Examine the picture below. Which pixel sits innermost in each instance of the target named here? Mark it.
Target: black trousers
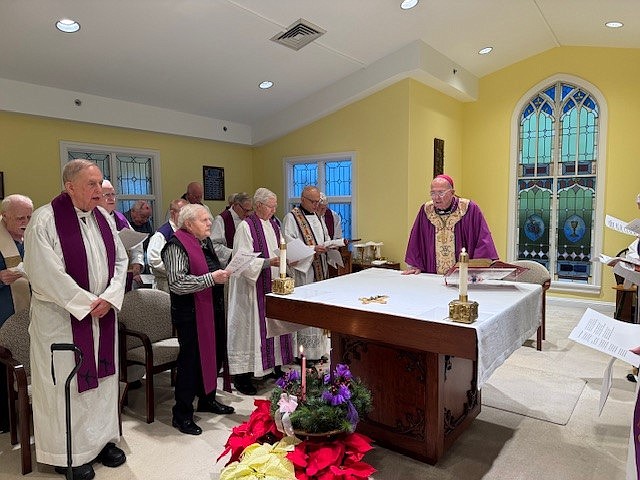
(189, 384)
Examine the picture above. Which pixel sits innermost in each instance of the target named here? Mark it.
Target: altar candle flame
(464, 273)
(283, 258)
(303, 362)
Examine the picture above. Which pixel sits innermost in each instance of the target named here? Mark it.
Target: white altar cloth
(508, 313)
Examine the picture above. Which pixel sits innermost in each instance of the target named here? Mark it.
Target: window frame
(113, 151)
(559, 286)
(321, 160)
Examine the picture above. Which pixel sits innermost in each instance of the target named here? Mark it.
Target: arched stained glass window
(556, 178)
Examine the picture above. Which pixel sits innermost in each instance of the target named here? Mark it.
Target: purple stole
(635, 431)
(263, 286)
(328, 220)
(75, 259)
(122, 223)
(204, 311)
(229, 227)
(166, 230)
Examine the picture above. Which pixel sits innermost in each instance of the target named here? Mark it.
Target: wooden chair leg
(539, 338)
(151, 410)
(25, 431)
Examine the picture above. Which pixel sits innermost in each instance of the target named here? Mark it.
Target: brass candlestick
(462, 310)
(283, 285)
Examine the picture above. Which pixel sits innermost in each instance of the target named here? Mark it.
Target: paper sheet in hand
(334, 258)
(611, 261)
(634, 226)
(618, 225)
(240, 261)
(608, 335)
(297, 250)
(130, 238)
(19, 269)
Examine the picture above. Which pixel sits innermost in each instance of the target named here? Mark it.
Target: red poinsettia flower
(254, 430)
(353, 471)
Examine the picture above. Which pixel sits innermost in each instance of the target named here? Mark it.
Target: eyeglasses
(109, 195)
(245, 210)
(439, 194)
(313, 202)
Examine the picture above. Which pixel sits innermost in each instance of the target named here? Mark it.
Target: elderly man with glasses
(443, 227)
(225, 224)
(303, 222)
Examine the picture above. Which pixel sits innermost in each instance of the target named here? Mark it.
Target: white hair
(188, 213)
(15, 199)
(262, 195)
(323, 198)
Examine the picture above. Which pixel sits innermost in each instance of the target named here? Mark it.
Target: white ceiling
(207, 57)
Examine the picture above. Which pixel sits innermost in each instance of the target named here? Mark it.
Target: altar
(425, 372)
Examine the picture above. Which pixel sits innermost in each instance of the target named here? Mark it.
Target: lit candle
(283, 258)
(463, 267)
(303, 377)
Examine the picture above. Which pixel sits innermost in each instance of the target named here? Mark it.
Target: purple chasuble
(204, 311)
(76, 263)
(263, 286)
(328, 220)
(229, 227)
(471, 232)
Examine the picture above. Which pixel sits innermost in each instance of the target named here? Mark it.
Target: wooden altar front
(423, 374)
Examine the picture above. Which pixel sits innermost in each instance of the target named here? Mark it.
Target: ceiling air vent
(298, 34)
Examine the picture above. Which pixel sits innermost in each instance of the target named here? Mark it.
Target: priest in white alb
(303, 223)
(77, 266)
(251, 353)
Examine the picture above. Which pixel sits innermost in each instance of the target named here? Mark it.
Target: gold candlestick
(283, 285)
(462, 310)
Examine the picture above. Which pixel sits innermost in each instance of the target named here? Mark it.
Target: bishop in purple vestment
(443, 227)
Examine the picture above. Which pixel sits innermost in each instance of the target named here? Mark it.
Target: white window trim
(327, 157)
(158, 211)
(600, 187)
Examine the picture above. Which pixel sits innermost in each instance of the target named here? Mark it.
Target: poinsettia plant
(331, 404)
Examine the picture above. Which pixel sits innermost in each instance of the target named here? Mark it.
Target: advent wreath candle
(283, 258)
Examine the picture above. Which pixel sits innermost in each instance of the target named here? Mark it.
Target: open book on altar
(483, 270)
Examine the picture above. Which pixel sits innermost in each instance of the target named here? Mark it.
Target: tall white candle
(463, 268)
(283, 258)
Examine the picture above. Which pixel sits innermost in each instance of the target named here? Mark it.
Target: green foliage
(315, 415)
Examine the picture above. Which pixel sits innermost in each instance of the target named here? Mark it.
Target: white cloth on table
(500, 330)
(55, 295)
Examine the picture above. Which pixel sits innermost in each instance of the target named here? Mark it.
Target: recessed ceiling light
(485, 50)
(266, 84)
(614, 24)
(67, 25)
(407, 4)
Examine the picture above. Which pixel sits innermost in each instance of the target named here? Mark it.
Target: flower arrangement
(329, 404)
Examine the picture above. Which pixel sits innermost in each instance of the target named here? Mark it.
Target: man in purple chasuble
(197, 311)
(443, 227)
(251, 353)
(77, 266)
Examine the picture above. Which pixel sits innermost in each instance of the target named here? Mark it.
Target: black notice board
(213, 183)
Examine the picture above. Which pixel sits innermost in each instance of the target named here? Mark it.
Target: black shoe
(83, 472)
(187, 426)
(631, 377)
(244, 385)
(111, 456)
(214, 406)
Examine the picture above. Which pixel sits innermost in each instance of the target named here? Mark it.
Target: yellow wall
(392, 134)
(486, 134)
(30, 156)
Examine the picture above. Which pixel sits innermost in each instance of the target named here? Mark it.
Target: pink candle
(303, 362)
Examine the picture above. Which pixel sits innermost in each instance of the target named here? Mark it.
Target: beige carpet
(533, 393)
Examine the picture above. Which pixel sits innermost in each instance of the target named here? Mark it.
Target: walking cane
(67, 394)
